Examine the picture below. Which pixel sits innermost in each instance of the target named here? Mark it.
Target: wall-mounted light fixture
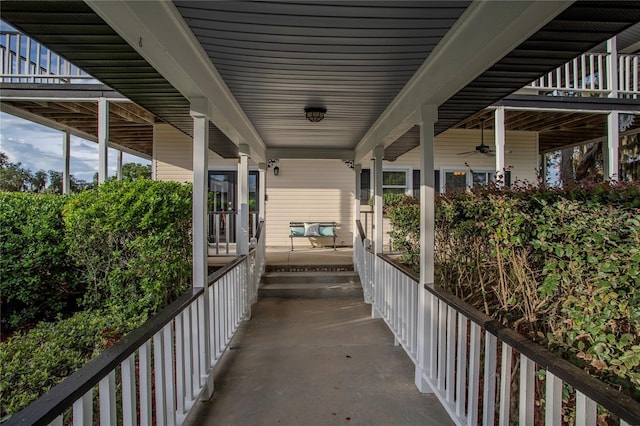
(315, 114)
(275, 164)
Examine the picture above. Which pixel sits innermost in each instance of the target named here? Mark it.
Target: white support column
(610, 148)
(428, 118)
(199, 113)
(356, 203)
(66, 160)
(611, 155)
(262, 191)
(378, 154)
(119, 165)
(103, 140)
(499, 134)
(242, 228)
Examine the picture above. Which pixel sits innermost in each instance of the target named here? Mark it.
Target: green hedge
(39, 281)
(560, 266)
(126, 245)
(35, 361)
(132, 239)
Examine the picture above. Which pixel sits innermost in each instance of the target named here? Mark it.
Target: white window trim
(469, 175)
(408, 171)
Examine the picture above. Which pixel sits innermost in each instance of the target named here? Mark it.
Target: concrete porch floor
(315, 362)
(283, 256)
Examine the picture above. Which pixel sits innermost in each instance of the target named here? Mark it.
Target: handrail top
(623, 405)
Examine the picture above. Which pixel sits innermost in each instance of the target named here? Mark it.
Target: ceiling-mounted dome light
(315, 114)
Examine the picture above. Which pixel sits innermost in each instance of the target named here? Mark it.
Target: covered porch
(233, 80)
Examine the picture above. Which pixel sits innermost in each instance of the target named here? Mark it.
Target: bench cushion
(297, 231)
(311, 229)
(327, 231)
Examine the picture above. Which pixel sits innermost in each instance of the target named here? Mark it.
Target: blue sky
(40, 148)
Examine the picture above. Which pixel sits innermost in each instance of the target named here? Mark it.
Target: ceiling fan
(482, 148)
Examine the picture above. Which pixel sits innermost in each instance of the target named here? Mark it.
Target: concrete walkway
(315, 362)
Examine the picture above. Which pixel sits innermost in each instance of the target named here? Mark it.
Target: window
(394, 182)
(365, 186)
(461, 180)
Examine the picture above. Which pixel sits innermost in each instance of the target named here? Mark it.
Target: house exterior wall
(323, 190)
(308, 191)
(173, 155)
(521, 153)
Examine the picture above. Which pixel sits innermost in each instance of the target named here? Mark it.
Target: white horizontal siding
(309, 190)
(521, 155)
(173, 155)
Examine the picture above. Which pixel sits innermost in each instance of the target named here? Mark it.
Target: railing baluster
(527, 391)
(168, 368)
(586, 410)
(489, 393)
(553, 400)
(144, 367)
(505, 385)
(187, 354)
(58, 421)
(442, 344)
(82, 410)
(181, 371)
(128, 371)
(461, 369)
(158, 364)
(194, 351)
(592, 73)
(474, 375)
(200, 329)
(107, 392)
(450, 383)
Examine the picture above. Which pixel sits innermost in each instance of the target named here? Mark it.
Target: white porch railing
(222, 225)
(481, 371)
(155, 374)
(24, 60)
(590, 75)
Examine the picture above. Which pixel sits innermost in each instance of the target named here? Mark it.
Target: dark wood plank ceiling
(130, 125)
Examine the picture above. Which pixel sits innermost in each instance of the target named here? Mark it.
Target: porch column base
(375, 313)
(421, 382)
(207, 391)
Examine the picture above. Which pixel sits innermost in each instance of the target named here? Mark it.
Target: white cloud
(40, 148)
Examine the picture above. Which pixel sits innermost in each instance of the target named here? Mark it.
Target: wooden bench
(308, 230)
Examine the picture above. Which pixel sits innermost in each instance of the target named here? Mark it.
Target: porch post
(119, 165)
(378, 153)
(610, 148)
(356, 206)
(103, 139)
(66, 158)
(242, 230)
(262, 191)
(199, 113)
(428, 117)
(499, 135)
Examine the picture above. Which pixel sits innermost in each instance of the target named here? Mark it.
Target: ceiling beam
(10, 109)
(160, 35)
(485, 33)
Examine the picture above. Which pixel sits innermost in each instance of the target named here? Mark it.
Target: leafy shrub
(35, 361)
(133, 240)
(560, 266)
(39, 281)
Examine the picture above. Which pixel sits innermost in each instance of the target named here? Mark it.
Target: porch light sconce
(275, 163)
(315, 114)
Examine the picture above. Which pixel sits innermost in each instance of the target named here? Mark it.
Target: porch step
(310, 284)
